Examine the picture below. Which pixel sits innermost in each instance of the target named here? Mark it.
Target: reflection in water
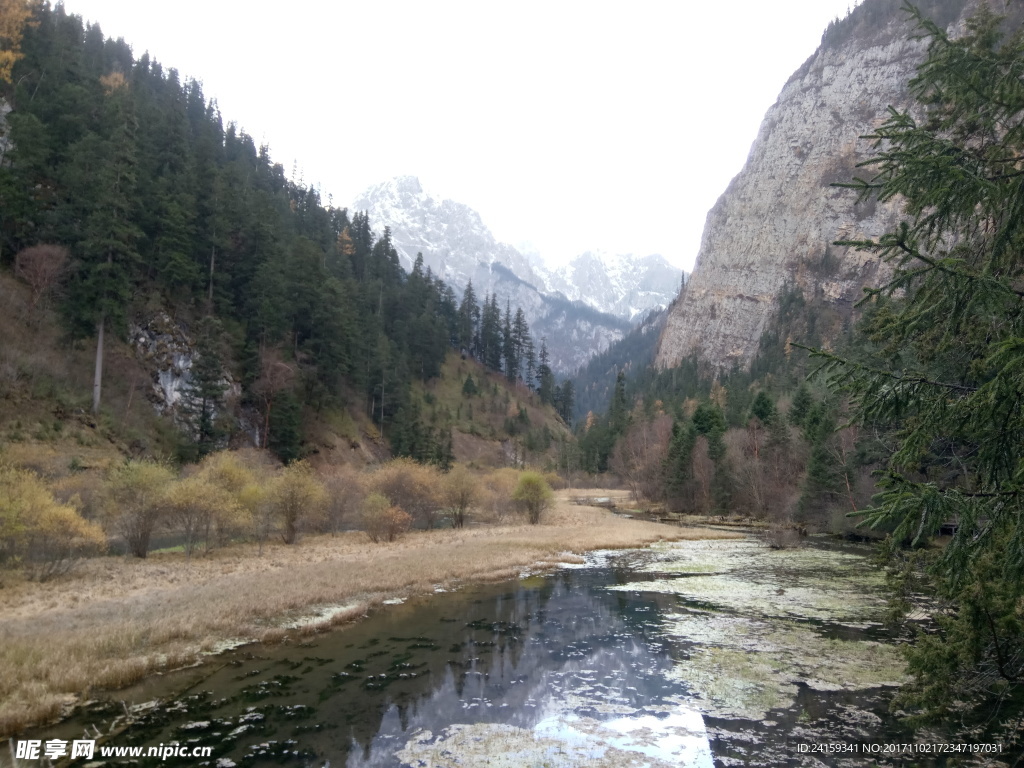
(559, 675)
(635, 659)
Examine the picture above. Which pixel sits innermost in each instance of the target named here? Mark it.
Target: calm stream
(690, 654)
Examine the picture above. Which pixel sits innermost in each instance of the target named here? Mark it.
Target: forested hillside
(124, 193)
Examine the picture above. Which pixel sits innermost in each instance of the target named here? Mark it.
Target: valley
(664, 518)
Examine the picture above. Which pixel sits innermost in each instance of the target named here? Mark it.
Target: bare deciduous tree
(639, 457)
(460, 490)
(276, 376)
(42, 267)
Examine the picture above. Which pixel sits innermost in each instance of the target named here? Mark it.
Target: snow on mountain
(453, 239)
(621, 284)
(580, 308)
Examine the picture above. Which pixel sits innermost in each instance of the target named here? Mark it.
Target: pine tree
(679, 460)
(941, 364)
(204, 398)
(545, 378)
(285, 434)
(510, 353)
(469, 321)
(521, 343)
(618, 411)
(566, 400)
(763, 409)
(444, 453)
(490, 334)
(109, 251)
(529, 363)
(802, 402)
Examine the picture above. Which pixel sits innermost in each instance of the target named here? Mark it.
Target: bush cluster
(243, 496)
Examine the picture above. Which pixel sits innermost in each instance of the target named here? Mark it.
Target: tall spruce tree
(545, 378)
(469, 321)
(943, 364)
(204, 398)
(490, 333)
(109, 249)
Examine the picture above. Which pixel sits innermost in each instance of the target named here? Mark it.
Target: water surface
(689, 654)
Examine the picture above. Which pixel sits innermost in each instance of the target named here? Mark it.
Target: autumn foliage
(36, 531)
(382, 520)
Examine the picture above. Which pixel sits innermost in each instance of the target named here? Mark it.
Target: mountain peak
(458, 247)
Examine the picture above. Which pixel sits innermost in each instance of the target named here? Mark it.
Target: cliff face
(773, 224)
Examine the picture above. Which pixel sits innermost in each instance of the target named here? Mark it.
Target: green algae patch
(743, 668)
(751, 580)
(757, 622)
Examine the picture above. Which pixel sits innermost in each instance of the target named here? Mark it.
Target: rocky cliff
(776, 222)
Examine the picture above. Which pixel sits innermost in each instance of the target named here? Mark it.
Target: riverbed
(702, 653)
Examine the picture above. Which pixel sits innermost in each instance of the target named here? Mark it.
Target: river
(704, 653)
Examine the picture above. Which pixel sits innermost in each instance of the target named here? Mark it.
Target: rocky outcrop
(6, 145)
(776, 222)
(165, 349)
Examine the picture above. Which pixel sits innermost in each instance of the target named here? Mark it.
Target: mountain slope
(776, 222)
(580, 309)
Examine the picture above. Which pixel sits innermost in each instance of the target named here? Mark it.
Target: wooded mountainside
(144, 199)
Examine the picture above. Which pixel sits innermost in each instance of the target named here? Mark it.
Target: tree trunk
(97, 382)
(213, 258)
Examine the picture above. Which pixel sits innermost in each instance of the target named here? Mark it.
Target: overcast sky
(569, 125)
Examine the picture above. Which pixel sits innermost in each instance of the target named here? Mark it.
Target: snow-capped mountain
(453, 239)
(580, 309)
(624, 285)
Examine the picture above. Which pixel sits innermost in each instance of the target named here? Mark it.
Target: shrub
(238, 473)
(81, 490)
(415, 488)
(461, 491)
(38, 532)
(42, 267)
(781, 535)
(297, 498)
(555, 480)
(199, 508)
(227, 470)
(345, 493)
(383, 521)
(533, 495)
(133, 501)
(498, 487)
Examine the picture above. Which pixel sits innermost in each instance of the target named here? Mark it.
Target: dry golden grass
(118, 619)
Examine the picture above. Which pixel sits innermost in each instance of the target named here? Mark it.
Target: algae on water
(757, 623)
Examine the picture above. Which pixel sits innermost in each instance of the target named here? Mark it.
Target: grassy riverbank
(116, 620)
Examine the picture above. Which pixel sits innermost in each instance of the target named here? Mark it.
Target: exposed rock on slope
(5, 140)
(773, 224)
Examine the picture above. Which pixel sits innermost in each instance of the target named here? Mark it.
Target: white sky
(569, 125)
